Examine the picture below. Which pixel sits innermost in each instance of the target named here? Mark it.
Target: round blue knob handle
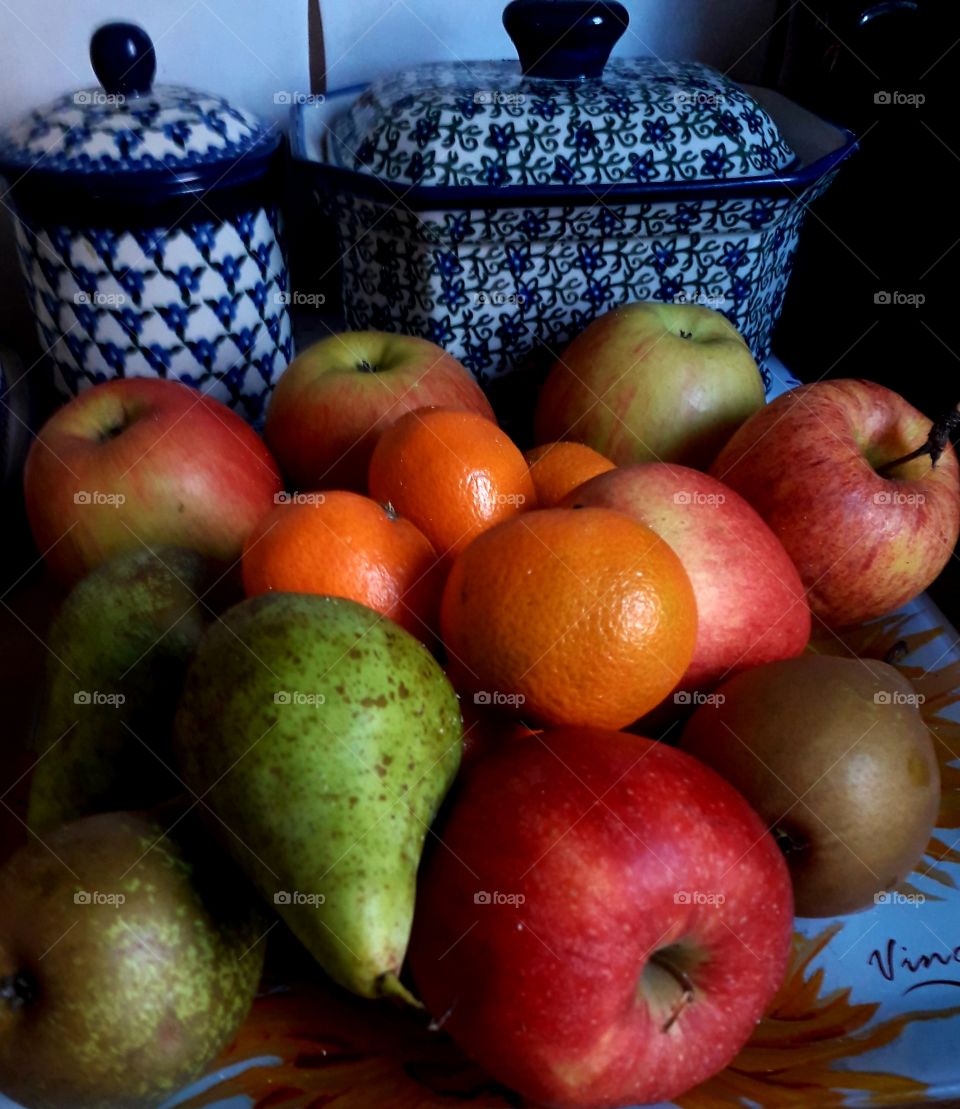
(123, 58)
(565, 39)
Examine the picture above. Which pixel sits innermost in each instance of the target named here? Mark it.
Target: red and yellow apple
(864, 542)
(138, 462)
(751, 604)
(336, 397)
(652, 382)
(600, 954)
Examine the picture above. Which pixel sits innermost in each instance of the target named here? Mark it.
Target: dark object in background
(15, 421)
(22, 405)
(877, 264)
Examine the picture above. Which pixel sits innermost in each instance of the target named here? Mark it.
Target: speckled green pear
(323, 737)
(128, 960)
(118, 651)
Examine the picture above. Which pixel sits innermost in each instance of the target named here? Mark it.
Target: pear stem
(389, 985)
(17, 990)
(682, 980)
(937, 442)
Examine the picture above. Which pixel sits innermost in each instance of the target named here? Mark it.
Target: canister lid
(564, 116)
(128, 138)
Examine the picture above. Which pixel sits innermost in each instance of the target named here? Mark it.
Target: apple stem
(366, 368)
(939, 438)
(17, 990)
(111, 432)
(897, 653)
(682, 980)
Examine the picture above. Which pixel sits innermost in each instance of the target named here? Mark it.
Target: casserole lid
(563, 116)
(128, 139)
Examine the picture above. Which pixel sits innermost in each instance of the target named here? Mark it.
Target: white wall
(249, 50)
(244, 49)
(364, 35)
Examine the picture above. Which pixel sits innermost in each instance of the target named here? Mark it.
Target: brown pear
(834, 755)
(129, 956)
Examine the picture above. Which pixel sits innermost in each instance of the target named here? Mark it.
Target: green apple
(652, 382)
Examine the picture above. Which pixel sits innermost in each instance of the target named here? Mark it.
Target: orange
(453, 473)
(570, 616)
(558, 468)
(345, 545)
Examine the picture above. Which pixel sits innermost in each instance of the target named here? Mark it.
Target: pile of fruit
(386, 677)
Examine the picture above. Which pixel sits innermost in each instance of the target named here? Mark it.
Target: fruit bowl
(865, 1016)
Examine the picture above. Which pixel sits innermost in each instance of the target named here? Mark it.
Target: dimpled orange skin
(341, 544)
(559, 468)
(453, 473)
(569, 616)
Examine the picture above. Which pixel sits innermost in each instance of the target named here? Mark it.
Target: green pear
(128, 960)
(119, 649)
(323, 738)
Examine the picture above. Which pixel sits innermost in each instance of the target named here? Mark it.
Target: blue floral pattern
(205, 303)
(500, 287)
(644, 120)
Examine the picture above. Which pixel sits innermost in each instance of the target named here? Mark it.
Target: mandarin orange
(569, 616)
(453, 473)
(342, 544)
(559, 468)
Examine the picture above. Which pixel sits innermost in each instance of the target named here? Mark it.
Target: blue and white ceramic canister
(149, 232)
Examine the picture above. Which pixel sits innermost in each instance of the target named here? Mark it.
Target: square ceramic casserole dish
(497, 208)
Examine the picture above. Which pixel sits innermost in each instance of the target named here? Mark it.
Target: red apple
(336, 397)
(751, 605)
(864, 542)
(604, 921)
(139, 461)
(652, 382)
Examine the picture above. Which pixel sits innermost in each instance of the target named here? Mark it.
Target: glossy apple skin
(601, 833)
(633, 388)
(864, 544)
(192, 473)
(326, 413)
(751, 604)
